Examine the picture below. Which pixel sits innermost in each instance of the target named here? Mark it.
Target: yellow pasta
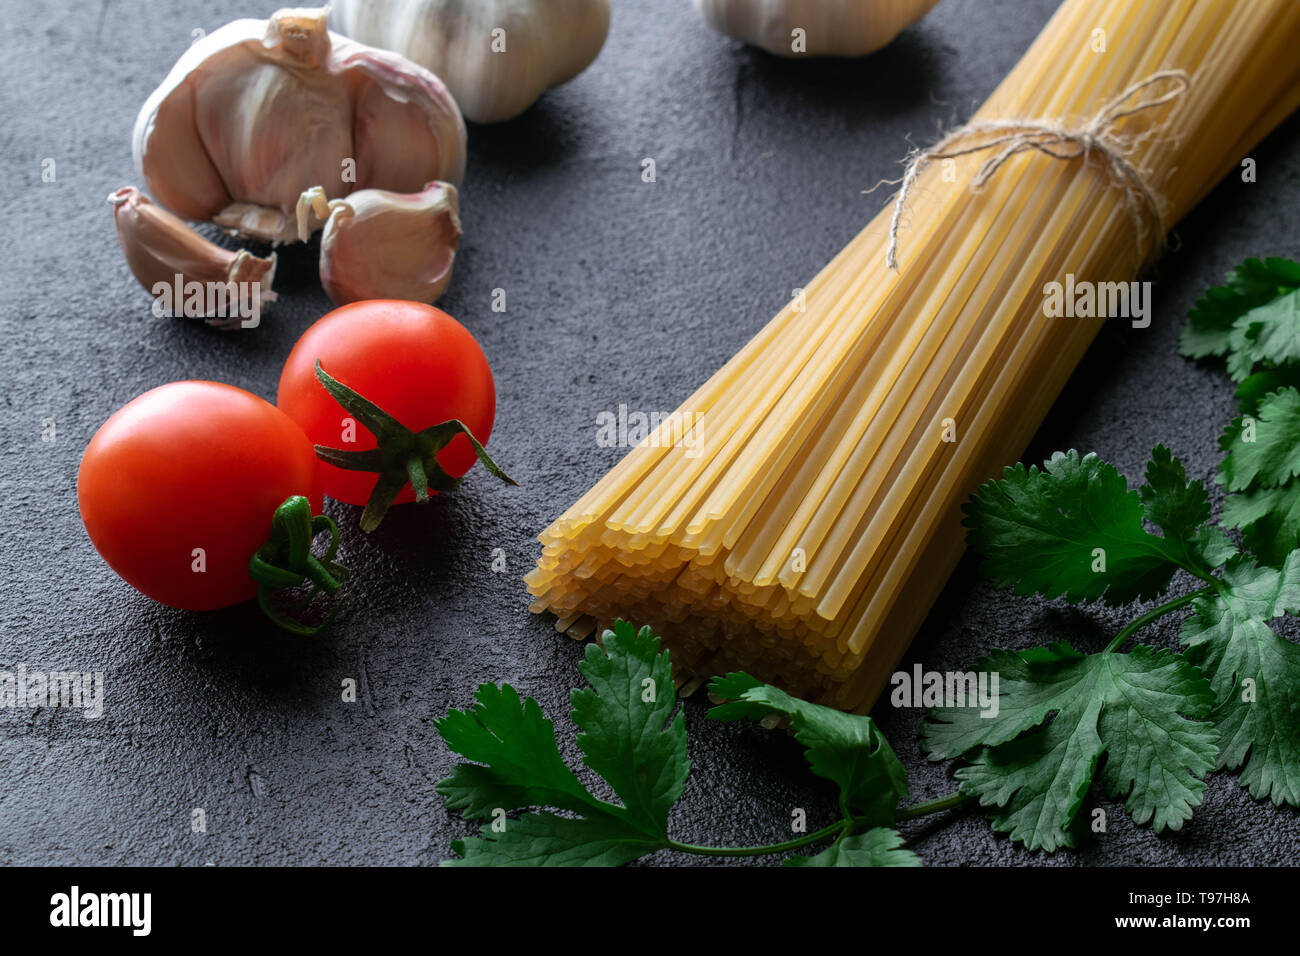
(803, 528)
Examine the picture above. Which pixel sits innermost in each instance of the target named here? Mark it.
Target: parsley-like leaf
(544, 839)
(1215, 324)
(1269, 519)
(1075, 529)
(878, 847)
(1254, 674)
(1271, 332)
(1263, 450)
(1170, 503)
(1254, 389)
(844, 748)
(634, 736)
(1180, 509)
(1254, 323)
(1144, 710)
(1262, 461)
(524, 766)
(631, 738)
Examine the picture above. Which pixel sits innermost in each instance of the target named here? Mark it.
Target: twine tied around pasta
(1097, 136)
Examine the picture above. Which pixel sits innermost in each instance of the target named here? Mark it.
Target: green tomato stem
(400, 455)
(286, 561)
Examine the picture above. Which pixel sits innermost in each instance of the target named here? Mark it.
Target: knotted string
(1014, 136)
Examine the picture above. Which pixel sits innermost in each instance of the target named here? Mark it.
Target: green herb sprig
(1149, 724)
(633, 736)
(1252, 322)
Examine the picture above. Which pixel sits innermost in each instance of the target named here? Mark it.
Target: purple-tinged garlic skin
(260, 110)
(161, 248)
(385, 245)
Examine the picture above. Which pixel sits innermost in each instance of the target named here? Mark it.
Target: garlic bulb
(259, 110)
(385, 245)
(496, 56)
(166, 255)
(794, 28)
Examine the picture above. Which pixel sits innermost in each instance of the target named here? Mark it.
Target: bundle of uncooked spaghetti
(803, 527)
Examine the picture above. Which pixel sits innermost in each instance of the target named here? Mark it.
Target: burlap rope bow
(1097, 136)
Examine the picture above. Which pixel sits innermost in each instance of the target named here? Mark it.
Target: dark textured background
(619, 291)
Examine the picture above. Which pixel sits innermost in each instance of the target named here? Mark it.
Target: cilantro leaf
(1264, 450)
(1254, 674)
(544, 839)
(1253, 390)
(625, 740)
(1214, 326)
(1269, 519)
(1144, 710)
(1254, 322)
(524, 766)
(1075, 529)
(1272, 331)
(1169, 502)
(878, 847)
(634, 736)
(844, 748)
(623, 717)
(1180, 509)
(1258, 280)
(1262, 460)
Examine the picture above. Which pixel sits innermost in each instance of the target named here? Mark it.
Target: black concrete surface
(618, 292)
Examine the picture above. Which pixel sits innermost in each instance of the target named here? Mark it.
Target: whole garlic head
(496, 56)
(384, 245)
(794, 28)
(259, 110)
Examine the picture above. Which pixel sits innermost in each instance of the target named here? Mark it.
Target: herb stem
(1214, 583)
(837, 829)
(817, 836)
(1156, 612)
(933, 806)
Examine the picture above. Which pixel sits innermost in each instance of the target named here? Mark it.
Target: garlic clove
(166, 255)
(313, 211)
(398, 147)
(496, 56)
(259, 110)
(378, 244)
(256, 222)
(824, 27)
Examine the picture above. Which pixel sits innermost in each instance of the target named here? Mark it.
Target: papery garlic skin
(259, 110)
(378, 244)
(843, 28)
(494, 75)
(162, 249)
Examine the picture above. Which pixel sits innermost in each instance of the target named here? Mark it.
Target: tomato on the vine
(395, 395)
(179, 488)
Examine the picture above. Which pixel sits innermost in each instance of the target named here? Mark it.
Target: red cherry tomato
(415, 362)
(188, 466)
